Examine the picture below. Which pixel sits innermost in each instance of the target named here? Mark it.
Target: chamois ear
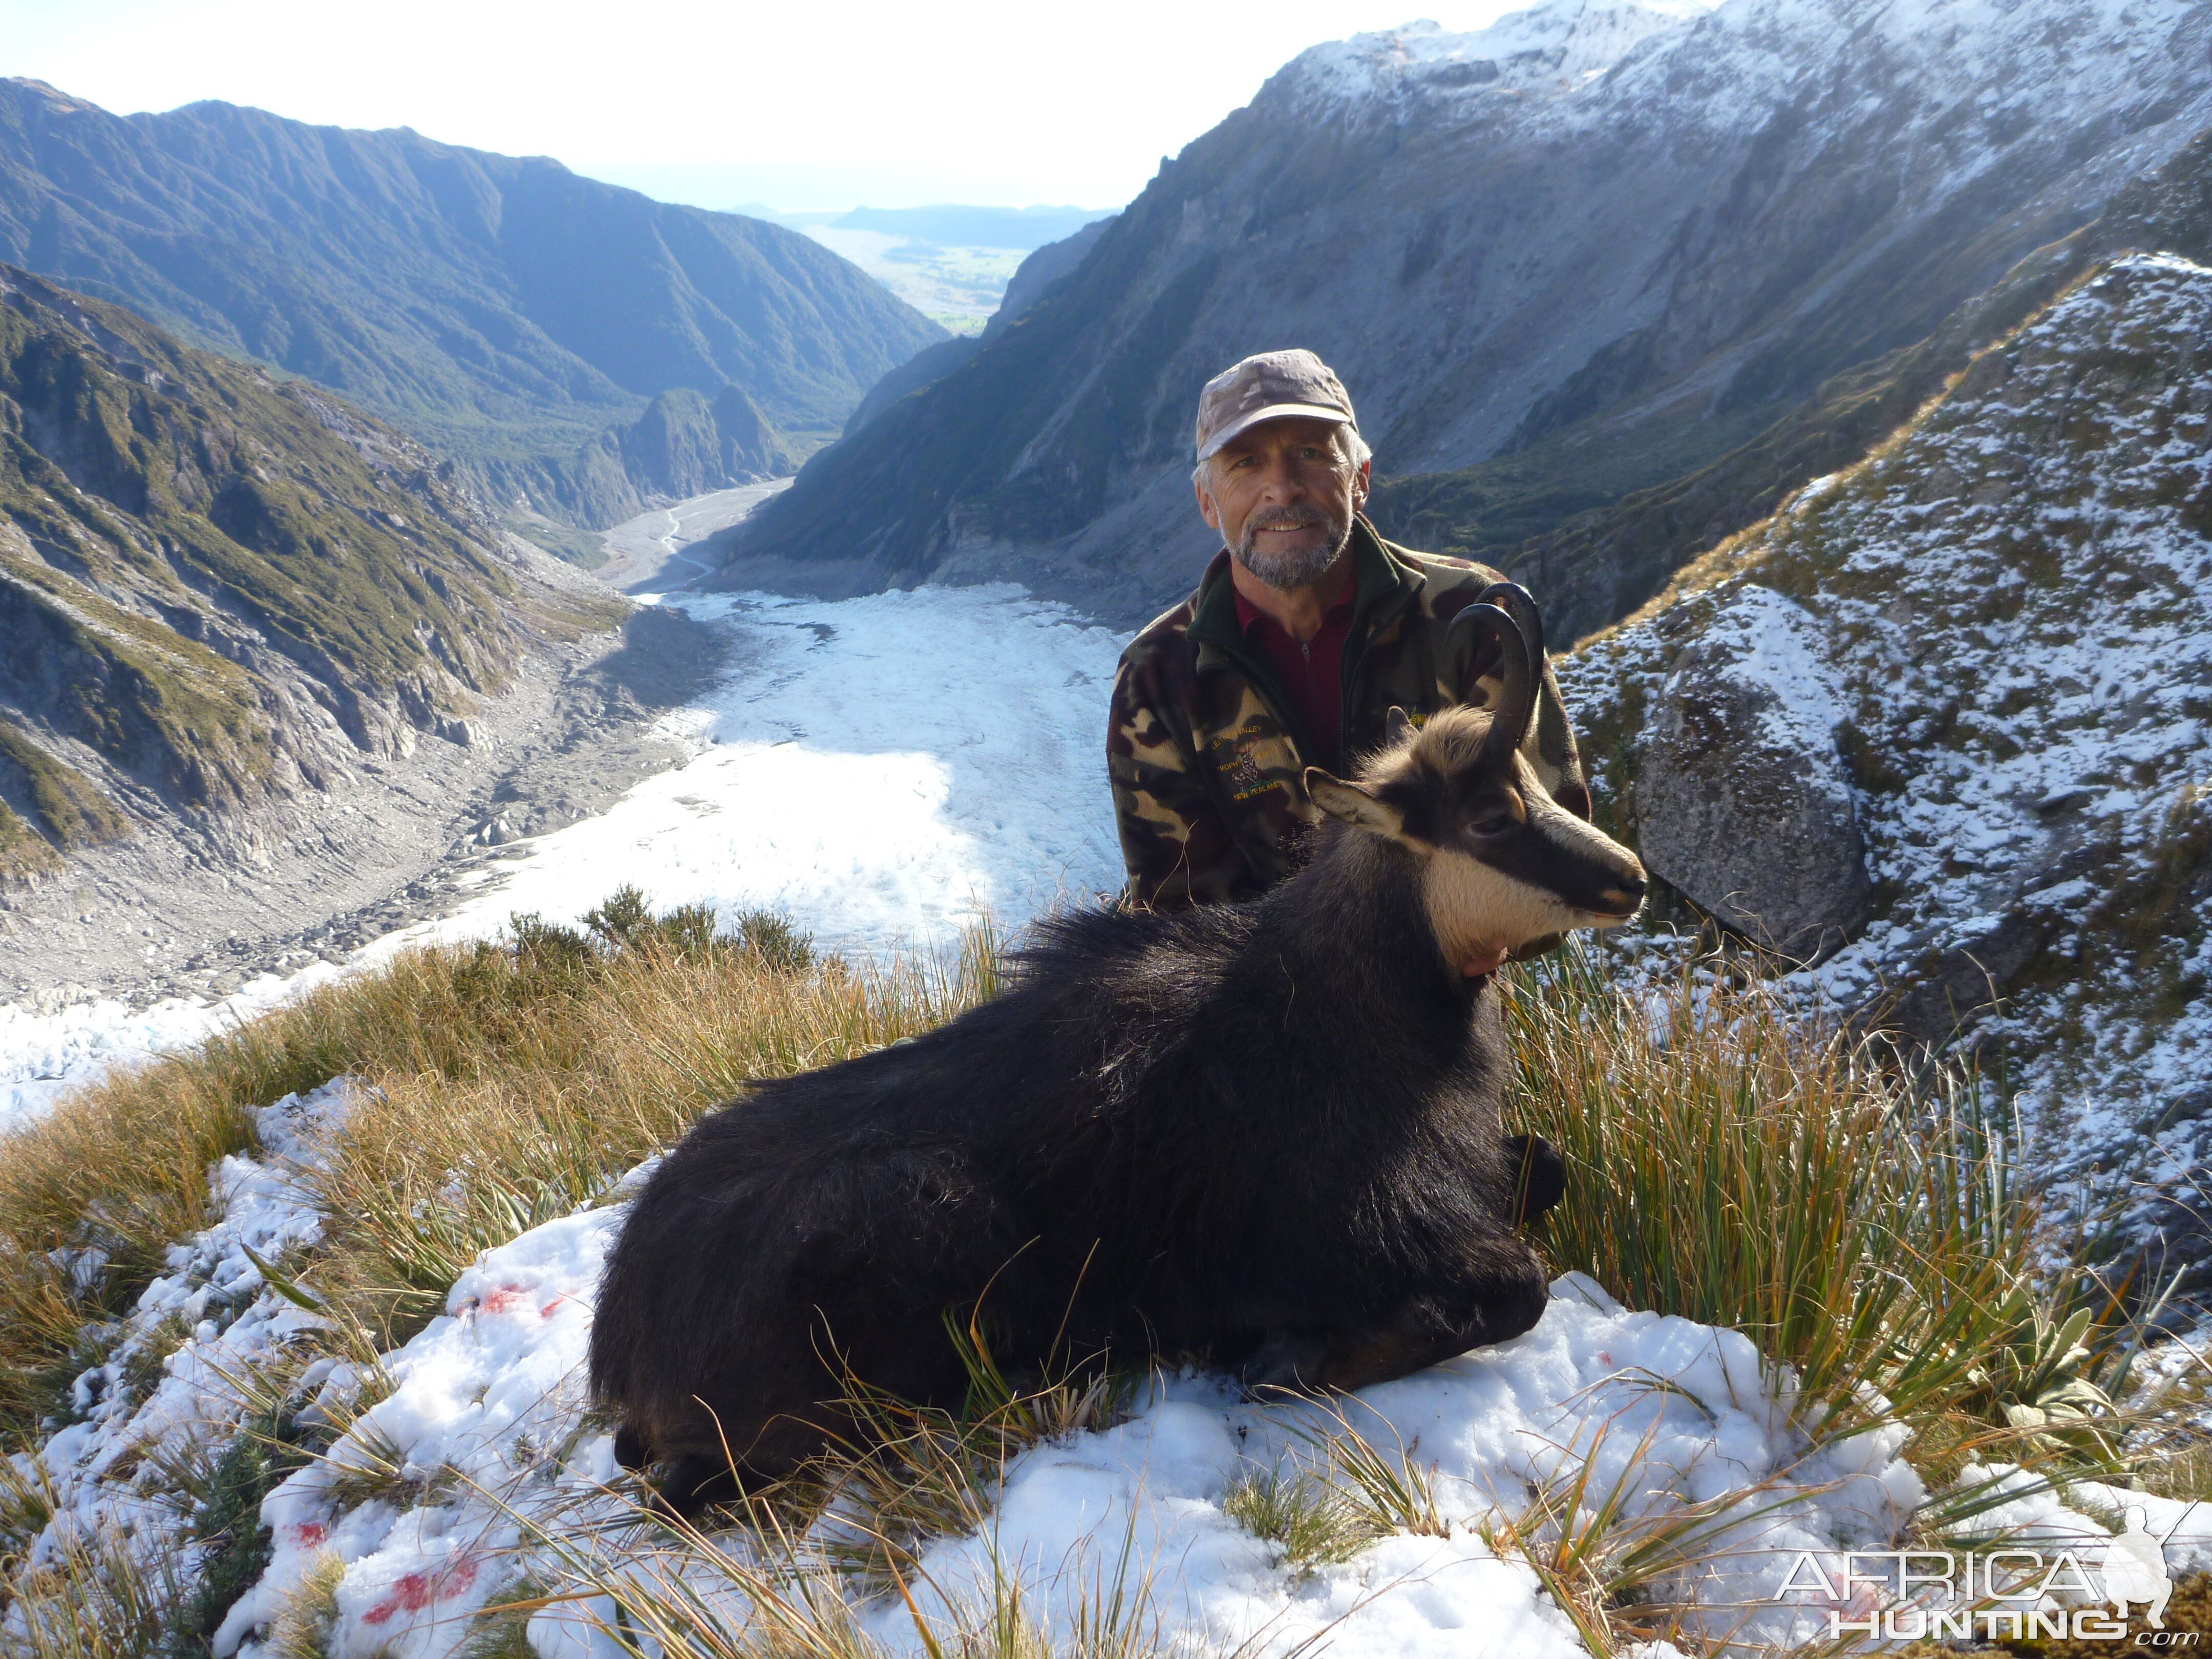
(1353, 804)
(1397, 726)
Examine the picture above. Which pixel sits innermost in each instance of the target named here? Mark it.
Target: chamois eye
(1493, 824)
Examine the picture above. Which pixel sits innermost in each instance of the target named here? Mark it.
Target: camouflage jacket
(1204, 749)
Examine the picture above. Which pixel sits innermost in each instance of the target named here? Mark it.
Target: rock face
(1044, 267)
(1742, 801)
(1998, 629)
(503, 310)
(217, 589)
(1600, 564)
(1597, 244)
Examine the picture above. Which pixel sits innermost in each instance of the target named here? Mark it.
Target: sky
(798, 105)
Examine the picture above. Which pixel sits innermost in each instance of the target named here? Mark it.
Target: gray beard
(1289, 570)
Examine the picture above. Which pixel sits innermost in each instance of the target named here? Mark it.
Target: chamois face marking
(1502, 865)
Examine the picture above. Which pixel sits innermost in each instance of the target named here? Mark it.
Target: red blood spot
(503, 1298)
(416, 1590)
(308, 1533)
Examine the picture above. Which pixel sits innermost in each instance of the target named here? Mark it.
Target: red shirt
(1312, 673)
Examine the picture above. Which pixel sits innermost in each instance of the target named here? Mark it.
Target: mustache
(1291, 569)
(1284, 518)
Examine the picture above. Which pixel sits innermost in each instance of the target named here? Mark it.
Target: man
(1305, 629)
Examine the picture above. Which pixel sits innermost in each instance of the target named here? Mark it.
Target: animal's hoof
(692, 1484)
(1282, 1364)
(1539, 1176)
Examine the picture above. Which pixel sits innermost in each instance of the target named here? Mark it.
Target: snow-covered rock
(2005, 617)
(1744, 732)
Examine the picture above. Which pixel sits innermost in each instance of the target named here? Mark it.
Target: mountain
(1593, 246)
(1601, 564)
(503, 310)
(1943, 724)
(219, 589)
(1042, 267)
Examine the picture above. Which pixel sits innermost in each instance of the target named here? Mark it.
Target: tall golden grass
(499, 1087)
(1867, 1220)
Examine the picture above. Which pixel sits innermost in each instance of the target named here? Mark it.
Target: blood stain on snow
(415, 1591)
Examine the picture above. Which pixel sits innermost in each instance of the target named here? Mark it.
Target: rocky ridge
(1954, 704)
(220, 592)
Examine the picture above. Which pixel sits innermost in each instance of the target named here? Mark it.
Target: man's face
(1282, 495)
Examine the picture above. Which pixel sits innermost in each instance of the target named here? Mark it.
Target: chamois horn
(1518, 603)
(1517, 704)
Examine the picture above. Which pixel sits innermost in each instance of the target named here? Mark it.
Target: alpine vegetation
(1144, 1148)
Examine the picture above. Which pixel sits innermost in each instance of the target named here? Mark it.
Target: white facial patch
(1474, 908)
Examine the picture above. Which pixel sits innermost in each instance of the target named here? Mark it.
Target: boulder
(1742, 801)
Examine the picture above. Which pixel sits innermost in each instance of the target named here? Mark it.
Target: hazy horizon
(867, 106)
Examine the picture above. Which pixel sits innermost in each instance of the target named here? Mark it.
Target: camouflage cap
(1266, 387)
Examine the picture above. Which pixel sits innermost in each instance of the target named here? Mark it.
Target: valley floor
(883, 768)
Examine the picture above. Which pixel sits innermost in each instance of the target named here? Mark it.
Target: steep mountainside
(216, 588)
(503, 310)
(1606, 241)
(1603, 563)
(1946, 720)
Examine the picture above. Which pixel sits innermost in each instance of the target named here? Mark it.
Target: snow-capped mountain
(1590, 248)
(1947, 720)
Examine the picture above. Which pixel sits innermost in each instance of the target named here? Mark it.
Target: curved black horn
(1516, 704)
(1518, 603)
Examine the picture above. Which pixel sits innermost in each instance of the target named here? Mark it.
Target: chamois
(1264, 1137)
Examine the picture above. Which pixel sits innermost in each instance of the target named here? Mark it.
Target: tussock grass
(504, 1085)
(1308, 1518)
(1867, 1224)
(95, 1597)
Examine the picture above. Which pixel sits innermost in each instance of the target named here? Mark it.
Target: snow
(486, 1421)
(883, 768)
(43, 1056)
(475, 1449)
(1561, 43)
(213, 1323)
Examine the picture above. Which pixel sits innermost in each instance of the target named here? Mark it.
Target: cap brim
(1276, 412)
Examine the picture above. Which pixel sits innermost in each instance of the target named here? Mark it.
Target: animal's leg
(1286, 1362)
(1501, 1296)
(1539, 1176)
(694, 1482)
